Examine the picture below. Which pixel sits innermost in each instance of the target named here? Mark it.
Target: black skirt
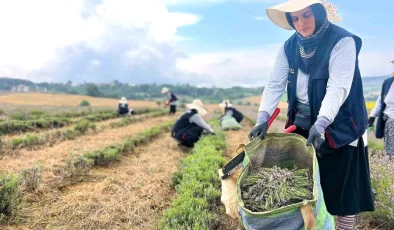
(173, 109)
(345, 179)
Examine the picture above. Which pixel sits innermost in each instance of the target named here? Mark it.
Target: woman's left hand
(316, 133)
(316, 138)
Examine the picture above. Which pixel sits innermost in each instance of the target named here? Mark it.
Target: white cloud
(192, 2)
(248, 67)
(253, 67)
(376, 63)
(208, 2)
(96, 63)
(39, 36)
(261, 18)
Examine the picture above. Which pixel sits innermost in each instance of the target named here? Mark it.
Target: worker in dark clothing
(228, 109)
(172, 100)
(123, 107)
(190, 126)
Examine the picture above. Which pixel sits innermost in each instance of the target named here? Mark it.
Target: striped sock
(346, 222)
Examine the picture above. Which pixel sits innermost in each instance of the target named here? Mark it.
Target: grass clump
(83, 126)
(382, 181)
(84, 103)
(198, 186)
(103, 156)
(111, 153)
(272, 188)
(10, 200)
(31, 178)
(78, 166)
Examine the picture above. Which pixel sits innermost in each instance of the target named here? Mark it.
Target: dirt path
(60, 152)
(236, 137)
(131, 194)
(233, 139)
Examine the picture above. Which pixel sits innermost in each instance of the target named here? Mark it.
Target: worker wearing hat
(189, 127)
(384, 110)
(228, 109)
(123, 107)
(319, 66)
(172, 100)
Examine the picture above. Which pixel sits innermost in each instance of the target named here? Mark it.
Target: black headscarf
(307, 46)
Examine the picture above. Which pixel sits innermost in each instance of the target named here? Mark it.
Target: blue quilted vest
(351, 121)
(381, 123)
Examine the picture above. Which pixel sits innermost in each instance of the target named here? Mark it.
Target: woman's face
(304, 21)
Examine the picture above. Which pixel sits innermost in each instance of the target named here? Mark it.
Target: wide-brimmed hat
(225, 103)
(277, 13)
(197, 105)
(165, 90)
(123, 100)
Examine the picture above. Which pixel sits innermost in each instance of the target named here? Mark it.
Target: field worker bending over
(319, 66)
(123, 107)
(189, 127)
(228, 109)
(384, 110)
(172, 100)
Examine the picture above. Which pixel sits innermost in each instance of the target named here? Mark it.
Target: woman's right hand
(258, 131)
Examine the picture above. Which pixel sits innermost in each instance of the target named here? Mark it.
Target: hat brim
(277, 14)
(200, 110)
(224, 105)
(165, 91)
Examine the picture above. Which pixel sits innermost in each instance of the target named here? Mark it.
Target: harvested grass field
(39, 99)
(58, 153)
(136, 188)
(130, 194)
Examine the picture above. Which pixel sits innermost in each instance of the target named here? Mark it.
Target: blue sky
(233, 24)
(202, 42)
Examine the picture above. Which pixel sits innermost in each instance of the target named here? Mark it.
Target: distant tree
(84, 103)
(92, 90)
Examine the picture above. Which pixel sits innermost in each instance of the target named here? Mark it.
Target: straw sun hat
(277, 13)
(225, 103)
(164, 90)
(123, 100)
(197, 105)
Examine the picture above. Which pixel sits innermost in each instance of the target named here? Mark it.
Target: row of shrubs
(81, 128)
(197, 186)
(20, 126)
(131, 120)
(12, 185)
(37, 114)
(48, 138)
(112, 152)
(17, 126)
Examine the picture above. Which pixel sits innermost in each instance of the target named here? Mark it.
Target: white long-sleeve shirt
(389, 101)
(169, 96)
(197, 119)
(342, 65)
